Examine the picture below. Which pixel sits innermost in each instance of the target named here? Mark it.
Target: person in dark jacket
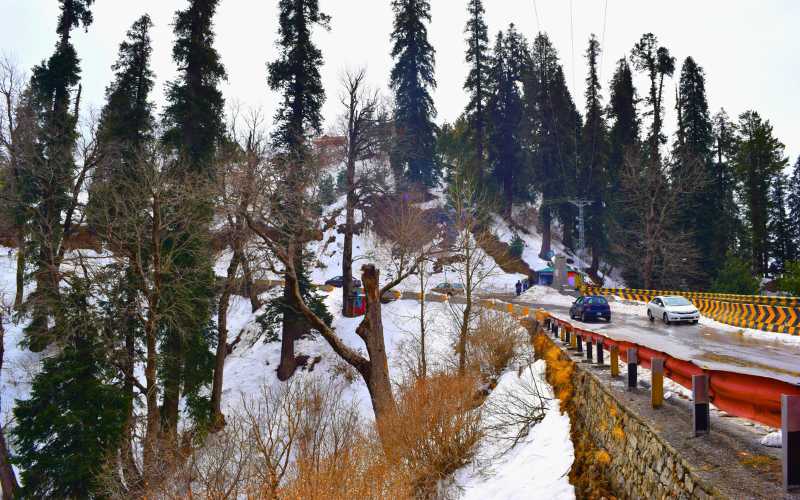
(518, 287)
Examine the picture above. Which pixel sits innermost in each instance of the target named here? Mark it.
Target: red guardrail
(748, 396)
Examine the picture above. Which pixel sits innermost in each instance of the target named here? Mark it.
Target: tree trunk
(129, 468)
(376, 372)
(217, 418)
(8, 480)
(173, 351)
(294, 325)
(150, 451)
(20, 293)
(249, 289)
(347, 258)
(423, 355)
(546, 233)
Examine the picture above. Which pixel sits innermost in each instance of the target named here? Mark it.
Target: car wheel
(666, 320)
(694, 322)
(583, 318)
(650, 316)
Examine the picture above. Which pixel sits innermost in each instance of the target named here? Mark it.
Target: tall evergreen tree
(74, 418)
(593, 174)
(411, 80)
(51, 173)
(195, 108)
(699, 211)
(793, 205)
(193, 122)
(552, 130)
(296, 75)
(624, 133)
(126, 121)
(657, 62)
(477, 84)
(781, 242)
(505, 115)
(728, 236)
(758, 161)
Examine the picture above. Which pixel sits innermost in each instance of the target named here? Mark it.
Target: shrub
(735, 277)
(327, 190)
(497, 340)
(435, 430)
(790, 281)
(517, 246)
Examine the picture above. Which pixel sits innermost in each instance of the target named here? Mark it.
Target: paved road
(706, 346)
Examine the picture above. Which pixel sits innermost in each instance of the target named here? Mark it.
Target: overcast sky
(748, 48)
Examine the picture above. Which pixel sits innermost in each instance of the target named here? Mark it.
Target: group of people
(522, 286)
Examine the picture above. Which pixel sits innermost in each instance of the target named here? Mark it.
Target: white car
(672, 309)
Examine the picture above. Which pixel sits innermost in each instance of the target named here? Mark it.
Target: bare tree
(361, 126)
(652, 241)
(284, 231)
(137, 221)
(235, 174)
(472, 264)
(16, 124)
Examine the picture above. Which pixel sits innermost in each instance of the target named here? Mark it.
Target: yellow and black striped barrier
(782, 315)
(725, 297)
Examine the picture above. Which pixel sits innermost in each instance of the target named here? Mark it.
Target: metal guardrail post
(579, 343)
(599, 351)
(701, 416)
(790, 439)
(633, 364)
(614, 361)
(589, 350)
(657, 382)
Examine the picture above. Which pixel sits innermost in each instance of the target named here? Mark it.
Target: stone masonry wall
(641, 464)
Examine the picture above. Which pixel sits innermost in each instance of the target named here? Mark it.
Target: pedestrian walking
(518, 287)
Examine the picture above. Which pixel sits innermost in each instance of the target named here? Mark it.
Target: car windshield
(596, 301)
(676, 301)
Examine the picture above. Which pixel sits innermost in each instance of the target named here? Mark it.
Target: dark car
(338, 282)
(590, 307)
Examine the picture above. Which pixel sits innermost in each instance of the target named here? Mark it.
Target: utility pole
(581, 204)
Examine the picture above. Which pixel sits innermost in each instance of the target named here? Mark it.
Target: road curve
(704, 345)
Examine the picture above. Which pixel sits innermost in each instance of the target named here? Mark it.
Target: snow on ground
(253, 363)
(538, 466)
(19, 365)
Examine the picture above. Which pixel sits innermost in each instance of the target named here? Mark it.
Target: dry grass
(497, 341)
(435, 431)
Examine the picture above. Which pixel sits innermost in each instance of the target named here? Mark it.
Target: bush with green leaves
(790, 281)
(517, 246)
(736, 277)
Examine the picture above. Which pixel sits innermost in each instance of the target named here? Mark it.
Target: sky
(749, 49)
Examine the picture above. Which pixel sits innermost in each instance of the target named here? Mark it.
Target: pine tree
(793, 205)
(592, 177)
(125, 132)
(699, 211)
(126, 121)
(552, 129)
(758, 161)
(782, 248)
(657, 62)
(624, 133)
(728, 233)
(296, 75)
(50, 174)
(477, 84)
(74, 419)
(195, 108)
(193, 122)
(412, 79)
(505, 115)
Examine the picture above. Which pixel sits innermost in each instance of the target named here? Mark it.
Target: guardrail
(758, 316)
